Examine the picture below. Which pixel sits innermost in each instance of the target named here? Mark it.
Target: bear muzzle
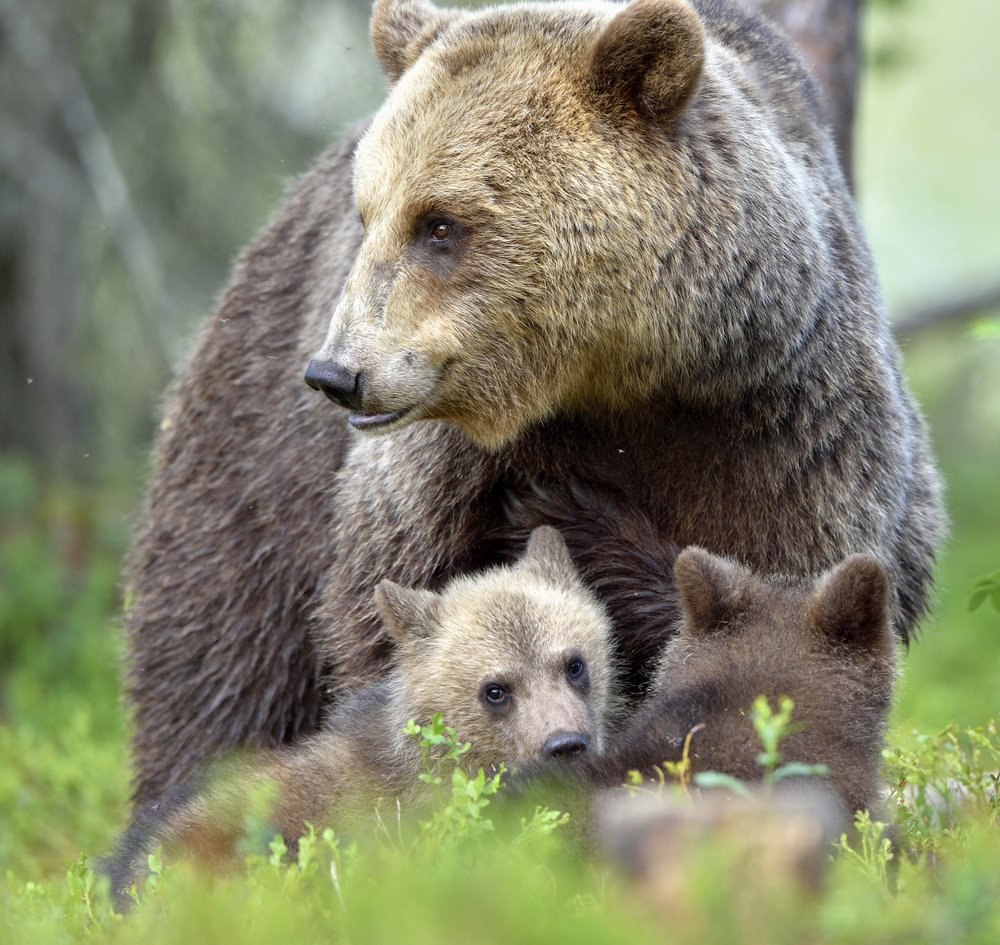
(347, 389)
(339, 383)
(565, 745)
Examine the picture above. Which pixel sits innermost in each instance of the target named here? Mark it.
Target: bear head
(517, 209)
(826, 643)
(518, 659)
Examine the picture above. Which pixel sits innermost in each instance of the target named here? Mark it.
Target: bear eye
(495, 695)
(441, 231)
(575, 668)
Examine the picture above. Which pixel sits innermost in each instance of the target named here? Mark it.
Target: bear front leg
(412, 507)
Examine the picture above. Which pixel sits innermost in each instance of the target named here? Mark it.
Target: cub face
(519, 660)
(505, 222)
(826, 643)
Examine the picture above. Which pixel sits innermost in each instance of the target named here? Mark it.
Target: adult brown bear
(579, 241)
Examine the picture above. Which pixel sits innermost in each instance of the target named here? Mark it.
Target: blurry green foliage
(536, 890)
(942, 781)
(888, 50)
(63, 767)
(986, 328)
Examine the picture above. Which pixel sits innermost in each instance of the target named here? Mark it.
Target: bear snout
(565, 745)
(340, 384)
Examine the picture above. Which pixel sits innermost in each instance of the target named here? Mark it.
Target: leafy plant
(870, 850)
(461, 818)
(944, 781)
(987, 586)
(771, 728)
(438, 745)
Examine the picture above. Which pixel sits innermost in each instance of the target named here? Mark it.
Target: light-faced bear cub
(518, 659)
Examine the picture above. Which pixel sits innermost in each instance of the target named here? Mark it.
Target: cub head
(518, 659)
(508, 196)
(827, 643)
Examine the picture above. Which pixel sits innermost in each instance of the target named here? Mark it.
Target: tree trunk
(827, 34)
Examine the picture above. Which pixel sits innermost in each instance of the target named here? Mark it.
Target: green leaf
(977, 599)
(716, 779)
(798, 769)
(985, 587)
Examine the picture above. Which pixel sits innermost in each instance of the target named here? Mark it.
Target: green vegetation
(63, 763)
(455, 873)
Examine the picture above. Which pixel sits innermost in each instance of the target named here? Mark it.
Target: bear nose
(340, 384)
(565, 745)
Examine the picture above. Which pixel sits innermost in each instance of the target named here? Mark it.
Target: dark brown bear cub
(518, 659)
(827, 643)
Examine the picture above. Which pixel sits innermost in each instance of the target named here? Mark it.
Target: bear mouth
(377, 421)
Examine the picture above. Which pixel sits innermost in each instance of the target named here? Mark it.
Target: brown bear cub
(827, 643)
(518, 659)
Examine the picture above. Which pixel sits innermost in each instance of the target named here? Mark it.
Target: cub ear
(649, 58)
(402, 29)
(408, 614)
(710, 588)
(547, 555)
(852, 603)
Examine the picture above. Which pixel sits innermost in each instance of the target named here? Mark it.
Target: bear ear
(402, 29)
(852, 603)
(710, 588)
(649, 58)
(408, 614)
(547, 555)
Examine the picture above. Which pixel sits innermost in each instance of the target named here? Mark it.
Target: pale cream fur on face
(544, 303)
(519, 628)
(523, 640)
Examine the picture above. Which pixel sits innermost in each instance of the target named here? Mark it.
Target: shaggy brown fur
(602, 242)
(621, 556)
(533, 632)
(827, 643)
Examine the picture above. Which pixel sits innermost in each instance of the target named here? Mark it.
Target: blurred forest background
(142, 143)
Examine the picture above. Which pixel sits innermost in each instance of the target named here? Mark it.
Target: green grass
(63, 766)
(453, 876)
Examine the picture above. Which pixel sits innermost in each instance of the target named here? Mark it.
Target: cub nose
(565, 745)
(340, 384)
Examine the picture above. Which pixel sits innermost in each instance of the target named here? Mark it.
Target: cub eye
(575, 668)
(495, 695)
